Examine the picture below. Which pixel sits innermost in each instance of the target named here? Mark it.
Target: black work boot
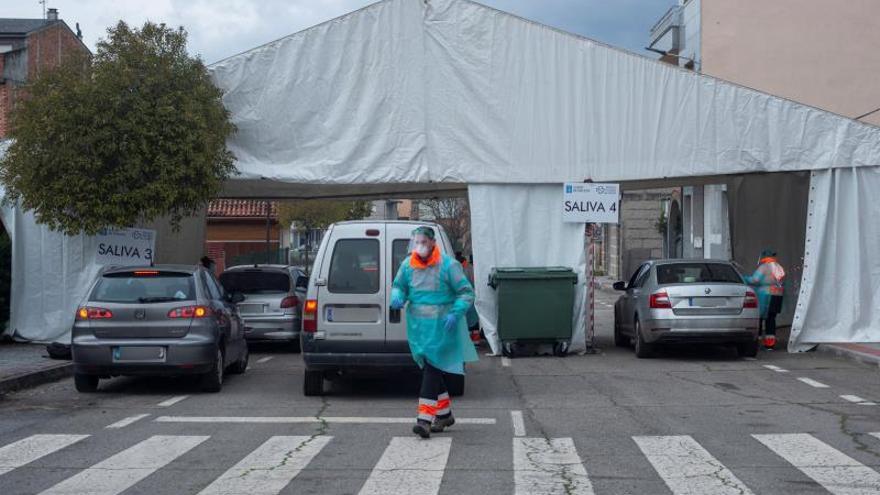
(441, 424)
(422, 428)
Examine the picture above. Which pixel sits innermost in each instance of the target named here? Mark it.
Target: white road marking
(123, 470)
(548, 467)
(811, 382)
(877, 434)
(174, 400)
(775, 368)
(750, 359)
(264, 359)
(857, 400)
(505, 361)
(29, 449)
(687, 468)
(308, 419)
(269, 468)
(519, 425)
(127, 421)
(834, 470)
(409, 465)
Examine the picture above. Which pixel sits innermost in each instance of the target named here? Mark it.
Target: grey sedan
(272, 304)
(162, 320)
(686, 301)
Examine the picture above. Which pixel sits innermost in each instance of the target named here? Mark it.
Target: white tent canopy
(409, 97)
(415, 95)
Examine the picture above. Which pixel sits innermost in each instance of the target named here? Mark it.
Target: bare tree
(454, 215)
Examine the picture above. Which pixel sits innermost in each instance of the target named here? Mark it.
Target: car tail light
(310, 316)
(190, 312)
(660, 300)
(750, 301)
(289, 302)
(146, 273)
(90, 313)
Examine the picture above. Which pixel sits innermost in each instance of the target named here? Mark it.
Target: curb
(33, 378)
(853, 352)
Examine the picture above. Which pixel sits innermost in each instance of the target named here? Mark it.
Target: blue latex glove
(396, 303)
(450, 323)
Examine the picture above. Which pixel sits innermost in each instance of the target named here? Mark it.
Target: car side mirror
(235, 297)
(619, 285)
(302, 282)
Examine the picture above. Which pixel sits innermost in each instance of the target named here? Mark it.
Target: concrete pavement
(28, 365)
(693, 420)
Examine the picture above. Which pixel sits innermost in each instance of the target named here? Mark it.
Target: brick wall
(46, 48)
(640, 213)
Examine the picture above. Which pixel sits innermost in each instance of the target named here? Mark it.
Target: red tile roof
(241, 208)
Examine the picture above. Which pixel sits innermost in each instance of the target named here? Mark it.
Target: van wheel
(454, 384)
(313, 383)
(85, 384)
(212, 381)
(643, 349)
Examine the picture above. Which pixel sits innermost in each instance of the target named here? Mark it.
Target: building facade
(28, 47)
(242, 232)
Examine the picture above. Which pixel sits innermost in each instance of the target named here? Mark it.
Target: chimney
(52, 15)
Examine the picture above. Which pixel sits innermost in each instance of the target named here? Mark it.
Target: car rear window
(697, 273)
(255, 282)
(354, 268)
(399, 252)
(144, 287)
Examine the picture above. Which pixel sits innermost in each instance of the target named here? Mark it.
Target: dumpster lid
(534, 273)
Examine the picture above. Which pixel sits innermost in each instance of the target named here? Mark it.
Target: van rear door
(351, 293)
(398, 239)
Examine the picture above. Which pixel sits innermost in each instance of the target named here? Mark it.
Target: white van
(347, 323)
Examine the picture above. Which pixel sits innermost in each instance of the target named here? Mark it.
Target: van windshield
(146, 287)
(354, 267)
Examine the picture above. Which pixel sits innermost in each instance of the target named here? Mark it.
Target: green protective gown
(433, 293)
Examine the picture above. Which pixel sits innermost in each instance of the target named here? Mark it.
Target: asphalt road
(696, 421)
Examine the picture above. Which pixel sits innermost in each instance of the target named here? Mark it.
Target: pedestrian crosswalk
(407, 465)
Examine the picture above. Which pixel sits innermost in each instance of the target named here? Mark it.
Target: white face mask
(423, 250)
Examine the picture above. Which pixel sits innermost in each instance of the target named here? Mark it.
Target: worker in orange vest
(769, 282)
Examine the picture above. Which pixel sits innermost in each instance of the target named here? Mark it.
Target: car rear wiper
(156, 299)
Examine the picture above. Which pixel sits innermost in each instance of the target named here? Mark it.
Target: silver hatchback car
(161, 320)
(272, 304)
(686, 301)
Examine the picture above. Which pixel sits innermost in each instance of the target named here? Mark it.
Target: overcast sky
(220, 28)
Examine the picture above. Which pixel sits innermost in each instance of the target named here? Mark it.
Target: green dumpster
(535, 305)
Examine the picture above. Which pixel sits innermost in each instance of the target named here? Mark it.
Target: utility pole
(268, 232)
(43, 3)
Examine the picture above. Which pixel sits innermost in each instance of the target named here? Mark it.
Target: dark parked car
(162, 320)
(272, 305)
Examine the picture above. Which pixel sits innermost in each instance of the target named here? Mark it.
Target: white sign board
(584, 202)
(126, 247)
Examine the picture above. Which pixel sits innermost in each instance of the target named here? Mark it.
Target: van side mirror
(235, 297)
(619, 285)
(302, 282)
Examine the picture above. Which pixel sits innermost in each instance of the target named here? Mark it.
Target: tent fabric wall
(839, 299)
(453, 92)
(52, 272)
(770, 210)
(521, 226)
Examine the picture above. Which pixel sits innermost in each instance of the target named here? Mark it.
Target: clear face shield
(421, 242)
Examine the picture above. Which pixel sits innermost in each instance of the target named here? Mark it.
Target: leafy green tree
(320, 213)
(134, 133)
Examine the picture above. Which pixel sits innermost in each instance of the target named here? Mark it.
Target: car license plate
(250, 308)
(139, 354)
(707, 302)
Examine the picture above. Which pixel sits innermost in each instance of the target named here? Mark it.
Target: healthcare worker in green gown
(439, 296)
